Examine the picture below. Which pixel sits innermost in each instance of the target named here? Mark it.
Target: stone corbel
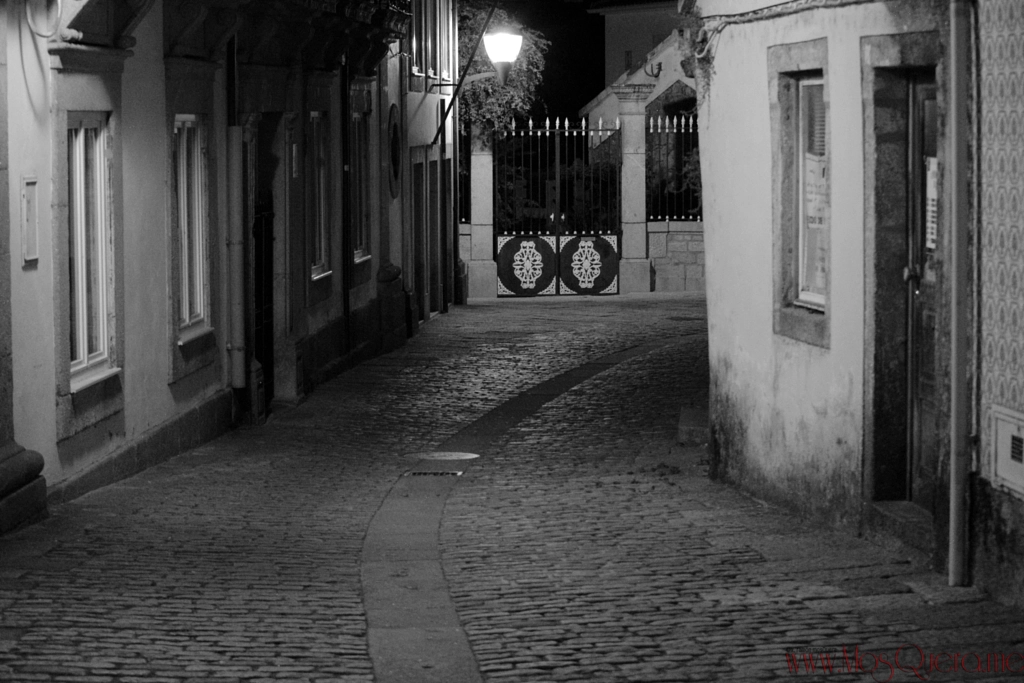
(196, 16)
(361, 11)
(266, 34)
(303, 35)
(139, 9)
(229, 21)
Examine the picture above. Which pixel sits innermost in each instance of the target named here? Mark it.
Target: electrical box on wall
(29, 220)
(1008, 431)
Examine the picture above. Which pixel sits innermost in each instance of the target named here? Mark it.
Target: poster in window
(816, 216)
(931, 203)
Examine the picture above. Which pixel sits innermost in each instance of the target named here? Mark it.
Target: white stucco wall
(32, 342)
(791, 414)
(149, 399)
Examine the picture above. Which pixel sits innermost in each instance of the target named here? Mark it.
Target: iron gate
(557, 211)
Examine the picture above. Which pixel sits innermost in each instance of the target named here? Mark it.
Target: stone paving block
(584, 544)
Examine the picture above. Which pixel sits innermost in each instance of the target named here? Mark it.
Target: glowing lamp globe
(502, 49)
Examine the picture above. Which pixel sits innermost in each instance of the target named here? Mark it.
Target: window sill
(92, 377)
(191, 334)
(316, 277)
(809, 306)
(803, 324)
(361, 258)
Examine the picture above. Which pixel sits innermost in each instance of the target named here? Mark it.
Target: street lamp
(502, 48)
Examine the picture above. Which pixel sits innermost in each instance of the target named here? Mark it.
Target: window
(419, 36)
(801, 190)
(813, 200)
(629, 60)
(319, 183)
(190, 191)
(360, 186)
(88, 237)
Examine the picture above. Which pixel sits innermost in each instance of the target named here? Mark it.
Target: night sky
(574, 68)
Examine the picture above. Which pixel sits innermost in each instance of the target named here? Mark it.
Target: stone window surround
(190, 90)
(786, 64)
(906, 52)
(87, 80)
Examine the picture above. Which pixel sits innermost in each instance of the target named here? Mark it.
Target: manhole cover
(437, 473)
(443, 455)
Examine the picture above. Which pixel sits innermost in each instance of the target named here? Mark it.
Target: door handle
(913, 274)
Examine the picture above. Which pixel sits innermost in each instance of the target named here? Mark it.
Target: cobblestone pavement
(584, 545)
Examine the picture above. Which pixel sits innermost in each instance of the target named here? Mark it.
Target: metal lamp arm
(462, 76)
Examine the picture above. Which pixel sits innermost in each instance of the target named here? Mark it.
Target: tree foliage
(486, 103)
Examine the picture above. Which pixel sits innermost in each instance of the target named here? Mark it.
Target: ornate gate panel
(527, 266)
(557, 210)
(588, 265)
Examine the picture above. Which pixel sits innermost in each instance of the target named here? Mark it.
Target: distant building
(865, 268)
(213, 206)
(632, 28)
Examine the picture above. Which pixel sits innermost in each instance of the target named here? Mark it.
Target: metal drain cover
(442, 455)
(434, 473)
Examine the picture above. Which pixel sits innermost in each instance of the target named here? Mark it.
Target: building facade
(213, 206)
(864, 268)
(632, 28)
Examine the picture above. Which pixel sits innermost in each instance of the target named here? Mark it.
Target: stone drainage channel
(414, 631)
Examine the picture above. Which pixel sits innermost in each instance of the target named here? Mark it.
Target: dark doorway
(420, 241)
(922, 293)
(905, 436)
(262, 251)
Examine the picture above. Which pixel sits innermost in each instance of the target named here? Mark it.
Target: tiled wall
(1002, 176)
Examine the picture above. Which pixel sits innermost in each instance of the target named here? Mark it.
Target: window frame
(798, 318)
(318, 154)
(804, 295)
(89, 365)
(360, 141)
(193, 204)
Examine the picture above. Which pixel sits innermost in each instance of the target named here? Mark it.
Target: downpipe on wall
(236, 255)
(960, 356)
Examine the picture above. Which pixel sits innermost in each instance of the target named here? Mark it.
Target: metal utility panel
(1009, 448)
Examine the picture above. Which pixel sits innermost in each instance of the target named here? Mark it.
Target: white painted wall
(795, 410)
(29, 100)
(149, 401)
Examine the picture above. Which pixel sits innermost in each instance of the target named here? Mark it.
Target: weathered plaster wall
(142, 258)
(786, 416)
(32, 292)
(998, 514)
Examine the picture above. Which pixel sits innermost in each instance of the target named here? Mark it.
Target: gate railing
(673, 169)
(561, 179)
(557, 209)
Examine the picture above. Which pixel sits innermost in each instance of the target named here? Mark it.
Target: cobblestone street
(584, 544)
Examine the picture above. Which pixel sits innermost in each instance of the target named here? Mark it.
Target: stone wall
(676, 251)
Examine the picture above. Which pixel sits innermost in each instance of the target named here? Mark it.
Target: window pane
(73, 208)
(192, 219)
(815, 191)
(93, 241)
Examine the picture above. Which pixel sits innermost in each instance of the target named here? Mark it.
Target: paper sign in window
(931, 203)
(816, 216)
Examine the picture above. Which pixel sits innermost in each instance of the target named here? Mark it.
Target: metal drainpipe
(235, 257)
(959, 133)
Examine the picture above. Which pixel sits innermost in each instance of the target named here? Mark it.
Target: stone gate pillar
(635, 266)
(22, 490)
(483, 270)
